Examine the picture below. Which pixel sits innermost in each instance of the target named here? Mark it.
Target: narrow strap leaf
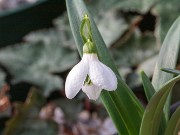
(154, 110)
(150, 91)
(167, 59)
(173, 126)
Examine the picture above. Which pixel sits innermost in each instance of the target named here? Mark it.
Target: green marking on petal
(88, 81)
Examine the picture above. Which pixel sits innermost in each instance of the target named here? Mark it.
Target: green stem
(85, 25)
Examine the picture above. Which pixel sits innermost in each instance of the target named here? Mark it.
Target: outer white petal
(75, 79)
(102, 76)
(92, 91)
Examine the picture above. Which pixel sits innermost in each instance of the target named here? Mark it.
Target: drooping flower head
(89, 74)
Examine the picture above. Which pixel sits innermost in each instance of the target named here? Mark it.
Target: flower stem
(85, 29)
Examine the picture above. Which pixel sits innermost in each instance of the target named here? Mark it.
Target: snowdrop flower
(90, 75)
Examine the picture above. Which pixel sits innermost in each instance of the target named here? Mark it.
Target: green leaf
(133, 77)
(37, 60)
(148, 87)
(121, 102)
(140, 48)
(149, 4)
(97, 7)
(167, 59)
(137, 5)
(168, 12)
(149, 91)
(154, 110)
(173, 126)
(108, 23)
(168, 55)
(172, 71)
(100, 6)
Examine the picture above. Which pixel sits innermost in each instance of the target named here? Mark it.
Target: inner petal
(92, 91)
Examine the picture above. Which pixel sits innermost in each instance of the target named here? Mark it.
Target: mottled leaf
(168, 12)
(36, 61)
(135, 51)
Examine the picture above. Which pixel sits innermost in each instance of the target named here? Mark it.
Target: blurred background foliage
(38, 50)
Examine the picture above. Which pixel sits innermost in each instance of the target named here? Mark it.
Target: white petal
(90, 57)
(102, 76)
(92, 91)
(75, 79)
